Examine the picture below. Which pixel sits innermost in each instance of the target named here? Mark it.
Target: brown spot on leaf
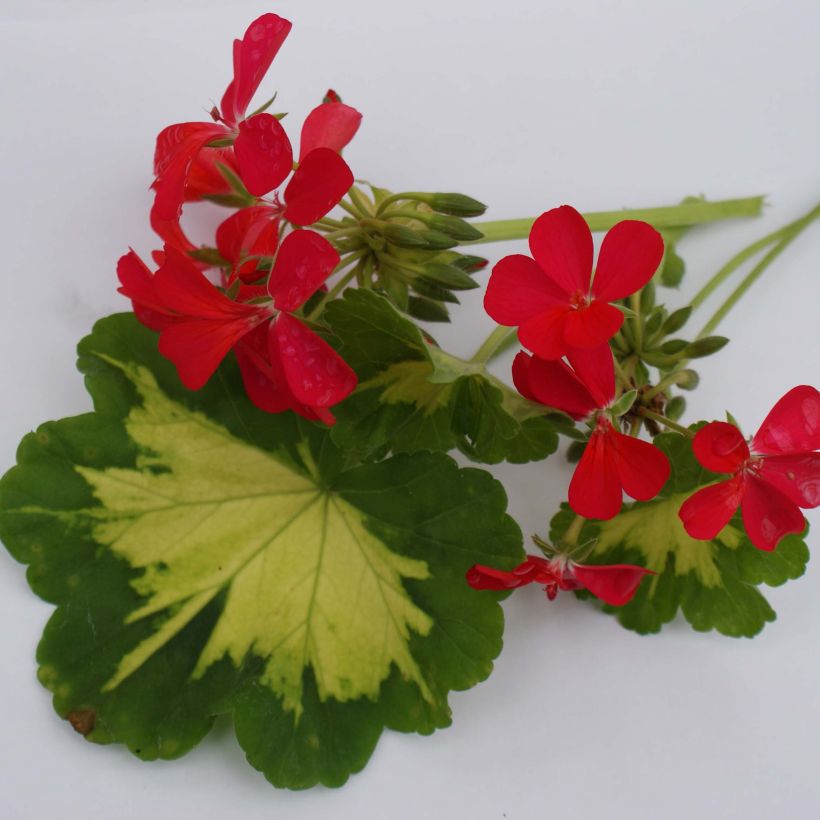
(82, 720)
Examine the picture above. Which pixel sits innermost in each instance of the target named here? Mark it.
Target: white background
(524, 105)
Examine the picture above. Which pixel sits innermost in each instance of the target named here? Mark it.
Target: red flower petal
(768, 515)
(304, 261)
(320, 181)
(197, 346)
(137, 284)
(183, 288)
(592, 326)
(642, 468)
(596, 370)
(796, 476)
(552, 383)
(204, 176)
(561, 243)
(614, 584)
(520, 375)
(264, 383)
(263, 153)
(252, 56)
(720, 447)
(245, 236)
(705, 513)
(793, 424)
(330, 125)
(316, 374)
(544, 333)
(630, 255)
(482, 577)
(174, 165)
(595, 489)
(519, 290)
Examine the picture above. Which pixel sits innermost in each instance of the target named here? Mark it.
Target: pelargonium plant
(260, 516)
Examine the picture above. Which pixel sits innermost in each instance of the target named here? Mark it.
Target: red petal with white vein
(316, 374)
(561, 243)
(630, 255)
(519, 290)
(320, 181)
(263, 153)
(252, 56)
(330, 125)
(796, 476)
(720, 447)
(706, 512)
(595, 489)
(642, 468)
(768, 515)
(793, 424)
(614, 584)
(304, 261)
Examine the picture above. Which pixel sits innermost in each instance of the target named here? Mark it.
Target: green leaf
(714, 584)
(208, 558)
(413, 396)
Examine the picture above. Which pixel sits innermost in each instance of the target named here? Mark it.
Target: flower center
(579, 300)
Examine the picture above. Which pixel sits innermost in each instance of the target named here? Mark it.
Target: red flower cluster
(551, 299)
(770, 481)
(615, 584)
(264, 280)
(561, 314)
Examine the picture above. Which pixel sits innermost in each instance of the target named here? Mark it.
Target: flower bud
(455, 227)
(687, 380)
(437, 241)
(455, 204)
(676, 408)
(677, 319)
(648, 297)
(674, 346)
(673, 269)
(705, 347)
(447, 276)
(403, 236)
(469, 264)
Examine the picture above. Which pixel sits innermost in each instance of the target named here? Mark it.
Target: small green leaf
(624, 403)
(207, 558)
(714, 584)
(413, 396)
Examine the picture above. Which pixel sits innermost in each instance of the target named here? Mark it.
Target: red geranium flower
(256, 147)
(615, 584)
(199, 325)
(612, 462)
(553, 299)
(771, 481)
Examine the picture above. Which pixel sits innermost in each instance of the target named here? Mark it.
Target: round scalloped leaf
(714, 584)
(208, 558)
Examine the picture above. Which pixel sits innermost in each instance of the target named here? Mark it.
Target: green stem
(671, 216)
(786, 236)
(637, 325)
(662, 385)
(493, 344)
(665, 422)
(621, 374)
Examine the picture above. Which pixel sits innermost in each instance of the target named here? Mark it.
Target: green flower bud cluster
(404, 246)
